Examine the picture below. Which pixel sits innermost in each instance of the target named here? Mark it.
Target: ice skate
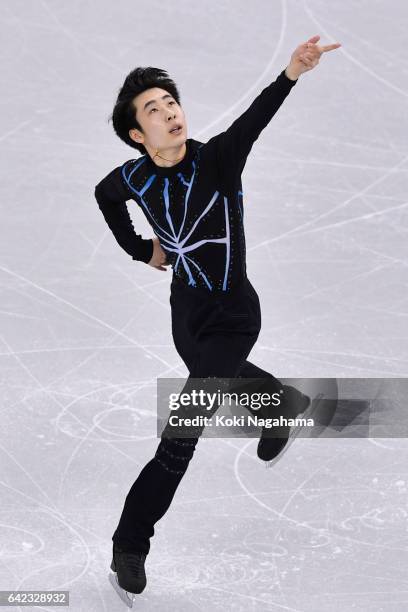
(129, 578)
(271, 449)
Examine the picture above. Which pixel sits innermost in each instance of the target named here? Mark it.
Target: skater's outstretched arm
(234, 145)
(111, 196)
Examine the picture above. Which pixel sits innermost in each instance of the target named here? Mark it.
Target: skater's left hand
(306, 56)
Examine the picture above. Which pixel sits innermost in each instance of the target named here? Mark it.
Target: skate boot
(293, 403)
(130, 577)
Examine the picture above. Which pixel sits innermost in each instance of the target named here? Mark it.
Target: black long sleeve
(235, 143)
(111, 196)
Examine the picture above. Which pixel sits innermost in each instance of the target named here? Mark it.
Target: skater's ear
(137, 135)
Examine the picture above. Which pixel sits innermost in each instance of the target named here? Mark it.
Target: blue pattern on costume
(240, 203)
(171, 239)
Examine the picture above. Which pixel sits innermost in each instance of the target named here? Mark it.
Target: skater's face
(157, 112)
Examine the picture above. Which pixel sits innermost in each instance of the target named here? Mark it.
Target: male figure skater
(191, 194)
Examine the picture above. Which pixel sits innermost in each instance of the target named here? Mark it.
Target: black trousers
(214, 336)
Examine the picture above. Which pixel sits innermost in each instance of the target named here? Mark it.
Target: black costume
(196, 210)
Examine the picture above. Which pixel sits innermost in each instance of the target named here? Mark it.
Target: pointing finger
(325, 48)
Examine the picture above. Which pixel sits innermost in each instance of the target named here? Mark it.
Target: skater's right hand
(159, 257)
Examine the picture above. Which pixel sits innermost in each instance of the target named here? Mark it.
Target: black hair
(124, 112)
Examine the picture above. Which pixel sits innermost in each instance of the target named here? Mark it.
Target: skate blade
(127, 598)
(294, 431)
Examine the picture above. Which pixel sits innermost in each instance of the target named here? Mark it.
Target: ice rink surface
(85, 330)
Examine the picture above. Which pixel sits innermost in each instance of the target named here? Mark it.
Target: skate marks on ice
(328, 510)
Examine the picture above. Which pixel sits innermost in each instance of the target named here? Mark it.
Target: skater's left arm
(235, 144)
